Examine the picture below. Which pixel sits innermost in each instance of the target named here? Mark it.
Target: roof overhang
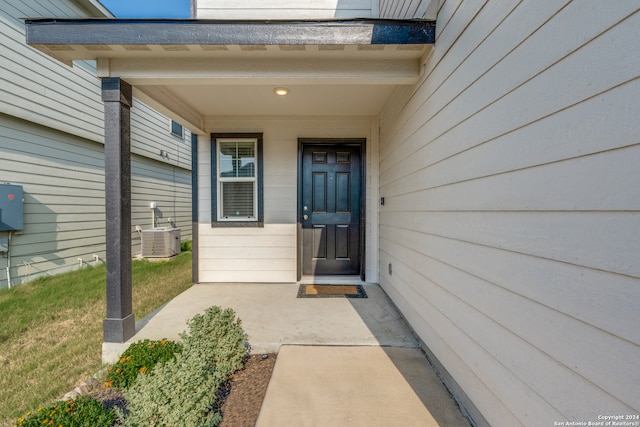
(61, 32)
(162, 58)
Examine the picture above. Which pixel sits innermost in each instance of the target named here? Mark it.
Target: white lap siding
(286, 9)
(510, 176)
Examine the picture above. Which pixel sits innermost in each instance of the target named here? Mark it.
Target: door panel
(319, 242)
(343, 192)
(331, 191)
(319, 192)
(342, 241)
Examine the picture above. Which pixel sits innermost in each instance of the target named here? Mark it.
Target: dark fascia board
(214, 32)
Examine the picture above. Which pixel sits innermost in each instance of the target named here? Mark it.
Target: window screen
(177, 129)
(237, 180)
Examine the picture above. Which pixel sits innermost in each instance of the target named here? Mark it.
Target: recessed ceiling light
(281, 91)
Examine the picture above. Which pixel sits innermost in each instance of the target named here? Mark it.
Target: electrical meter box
(11, 207)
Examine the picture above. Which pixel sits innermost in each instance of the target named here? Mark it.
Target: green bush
(184, 391)
(217, 335)
(141, 356)
(83, 412)
(186, 246)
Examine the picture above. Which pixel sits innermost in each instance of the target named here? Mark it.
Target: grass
(51, 329)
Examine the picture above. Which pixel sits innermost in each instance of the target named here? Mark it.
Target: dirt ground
(248, 388)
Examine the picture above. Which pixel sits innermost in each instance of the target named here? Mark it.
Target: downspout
(9, 261)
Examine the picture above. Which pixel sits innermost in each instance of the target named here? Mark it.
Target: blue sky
(148, 8)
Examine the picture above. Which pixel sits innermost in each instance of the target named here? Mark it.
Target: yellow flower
(163, 342)
(20, 420)
(143, 369)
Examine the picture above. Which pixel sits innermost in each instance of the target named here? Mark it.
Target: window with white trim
(237, 179)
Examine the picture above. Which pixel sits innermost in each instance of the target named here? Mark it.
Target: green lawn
(51, 329)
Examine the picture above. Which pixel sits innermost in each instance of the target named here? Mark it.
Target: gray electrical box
(11, 207)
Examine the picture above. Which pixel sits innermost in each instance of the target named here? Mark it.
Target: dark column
(195, 276)
(119, 325)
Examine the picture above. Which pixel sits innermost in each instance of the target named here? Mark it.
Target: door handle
(305, 217)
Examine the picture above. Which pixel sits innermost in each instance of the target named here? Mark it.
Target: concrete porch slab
(272, 316)
(341, 361)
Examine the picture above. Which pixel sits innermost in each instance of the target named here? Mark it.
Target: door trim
(361, 143)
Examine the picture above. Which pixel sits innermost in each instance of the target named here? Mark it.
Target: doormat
(331, 291)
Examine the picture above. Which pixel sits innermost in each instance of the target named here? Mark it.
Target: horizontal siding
(286, 9)
(405, 9)
(36, 87)
(262, 254)
(170, 188)
(63, 181)
(511, 207)
(222, 248)
(150, 135)
(51, 128)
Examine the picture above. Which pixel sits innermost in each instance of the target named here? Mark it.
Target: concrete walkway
(341, 361)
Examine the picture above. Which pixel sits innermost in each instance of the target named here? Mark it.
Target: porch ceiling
(195, 69)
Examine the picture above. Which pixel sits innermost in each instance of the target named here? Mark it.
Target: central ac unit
(160, 242)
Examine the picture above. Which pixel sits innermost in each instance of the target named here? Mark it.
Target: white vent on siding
(160, 242)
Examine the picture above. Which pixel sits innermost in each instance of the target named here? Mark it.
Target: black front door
(330, 208)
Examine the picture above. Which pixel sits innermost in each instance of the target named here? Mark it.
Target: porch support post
(119, 324)
(195, 230)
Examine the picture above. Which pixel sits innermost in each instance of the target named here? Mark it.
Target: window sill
(237, 224)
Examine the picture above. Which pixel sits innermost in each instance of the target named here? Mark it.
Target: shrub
(83, 412)
(217, 335)
(184, 391)
(141, 356)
